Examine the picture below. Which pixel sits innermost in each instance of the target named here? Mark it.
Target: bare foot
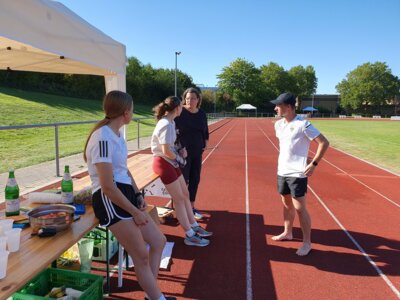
(304, 250)
(283, 237)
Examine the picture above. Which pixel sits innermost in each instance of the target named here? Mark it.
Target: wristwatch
(314, 163)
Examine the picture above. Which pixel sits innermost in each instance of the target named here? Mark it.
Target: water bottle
(12, 195)
(67, 187)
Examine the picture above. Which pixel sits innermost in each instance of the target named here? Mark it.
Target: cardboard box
(152, 211)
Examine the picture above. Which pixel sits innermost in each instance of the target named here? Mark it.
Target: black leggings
(191, 172)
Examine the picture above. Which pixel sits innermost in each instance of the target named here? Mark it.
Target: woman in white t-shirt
(117, 202)
(168, 159)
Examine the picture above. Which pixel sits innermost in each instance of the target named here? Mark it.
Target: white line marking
(360, 182)
(363, 160)
(216, 146)
(248, 241)
(367, 257)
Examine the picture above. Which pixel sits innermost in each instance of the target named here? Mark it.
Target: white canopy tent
(247, 107)
(45, 36)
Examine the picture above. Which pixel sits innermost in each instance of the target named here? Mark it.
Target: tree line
(239, 82)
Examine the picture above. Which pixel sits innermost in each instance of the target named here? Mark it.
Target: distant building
(322, 102)
(207, 88)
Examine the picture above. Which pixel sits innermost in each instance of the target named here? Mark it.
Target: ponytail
(115, 103)
(169, 104)
(99, 124)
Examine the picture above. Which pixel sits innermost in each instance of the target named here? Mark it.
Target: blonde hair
(194, 91)
(115, 103)
(169, 104)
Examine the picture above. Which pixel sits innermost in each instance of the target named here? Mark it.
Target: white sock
(195, 224)
(162, 297)
(190, 233)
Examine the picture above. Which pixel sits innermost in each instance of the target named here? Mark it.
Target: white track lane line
(216, 146)
(367, 257)
(248, 241)
(360, 182)
(249, 289)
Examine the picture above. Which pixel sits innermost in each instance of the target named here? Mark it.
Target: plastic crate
(91, 285)
(99, 248)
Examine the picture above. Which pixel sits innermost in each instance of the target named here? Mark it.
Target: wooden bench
(36, 254)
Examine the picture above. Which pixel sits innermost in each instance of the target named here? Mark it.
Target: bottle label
(67, 197)
(12, 206)
(11, 182)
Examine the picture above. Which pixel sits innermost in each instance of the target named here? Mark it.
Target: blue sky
(333, 36)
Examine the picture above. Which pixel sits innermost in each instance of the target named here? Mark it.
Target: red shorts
(167, 172)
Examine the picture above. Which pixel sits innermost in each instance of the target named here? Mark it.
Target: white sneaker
(197, 214)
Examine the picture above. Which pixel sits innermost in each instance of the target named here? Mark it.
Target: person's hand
(183, 152)
(309, 170)
(140, 218)
(180, 160)
(141, 203)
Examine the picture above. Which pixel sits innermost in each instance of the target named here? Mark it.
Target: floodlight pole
(176, 69)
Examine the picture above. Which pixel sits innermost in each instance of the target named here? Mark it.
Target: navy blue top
(192, 131)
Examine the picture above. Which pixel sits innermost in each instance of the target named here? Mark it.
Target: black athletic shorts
(295, 186)
(109, 213)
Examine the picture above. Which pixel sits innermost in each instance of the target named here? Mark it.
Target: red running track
(354, 208)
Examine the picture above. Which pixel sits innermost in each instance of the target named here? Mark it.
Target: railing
(57, 125)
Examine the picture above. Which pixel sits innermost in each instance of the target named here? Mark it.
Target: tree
(305, 81)
(368, 84)
(241, 80)
(276, 80)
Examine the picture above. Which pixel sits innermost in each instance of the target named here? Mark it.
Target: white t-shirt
(294, 143)
(164, 133)
(105, 146)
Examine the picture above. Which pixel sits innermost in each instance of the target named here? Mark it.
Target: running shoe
(196, 240)
(168, 298)
(197, 214)
(201, 231)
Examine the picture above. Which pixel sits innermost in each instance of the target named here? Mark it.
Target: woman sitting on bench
(167, 162)
(117, 202)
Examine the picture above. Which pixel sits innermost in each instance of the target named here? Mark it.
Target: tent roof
(246, 106)
(309, 108)
(45, 36)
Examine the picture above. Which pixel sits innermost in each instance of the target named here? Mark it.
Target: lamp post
(176, 69)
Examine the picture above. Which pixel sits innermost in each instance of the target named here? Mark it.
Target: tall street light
(176, 68)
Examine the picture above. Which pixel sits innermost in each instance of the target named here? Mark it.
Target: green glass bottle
(67, 187)
(12, 195)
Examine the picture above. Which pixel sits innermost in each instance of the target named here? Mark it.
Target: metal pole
(57, 152)
(138, 134)
(215, 102)
(176, 69)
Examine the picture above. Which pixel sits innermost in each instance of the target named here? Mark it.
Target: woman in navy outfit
(193, 135)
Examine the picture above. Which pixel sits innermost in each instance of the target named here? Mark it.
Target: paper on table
(42, 197)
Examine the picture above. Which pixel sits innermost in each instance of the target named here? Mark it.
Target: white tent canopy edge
(45, 36)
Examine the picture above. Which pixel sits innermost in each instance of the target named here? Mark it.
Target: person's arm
(207, 133)
(323, 145)
(139, 196)
(105, 173)
(179, 158)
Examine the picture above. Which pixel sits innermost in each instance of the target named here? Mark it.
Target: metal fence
(56, 139)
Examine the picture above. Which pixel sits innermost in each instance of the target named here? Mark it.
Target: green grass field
(375, 141)
(24, 147)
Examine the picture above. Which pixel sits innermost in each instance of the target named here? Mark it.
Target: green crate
(91, 285)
